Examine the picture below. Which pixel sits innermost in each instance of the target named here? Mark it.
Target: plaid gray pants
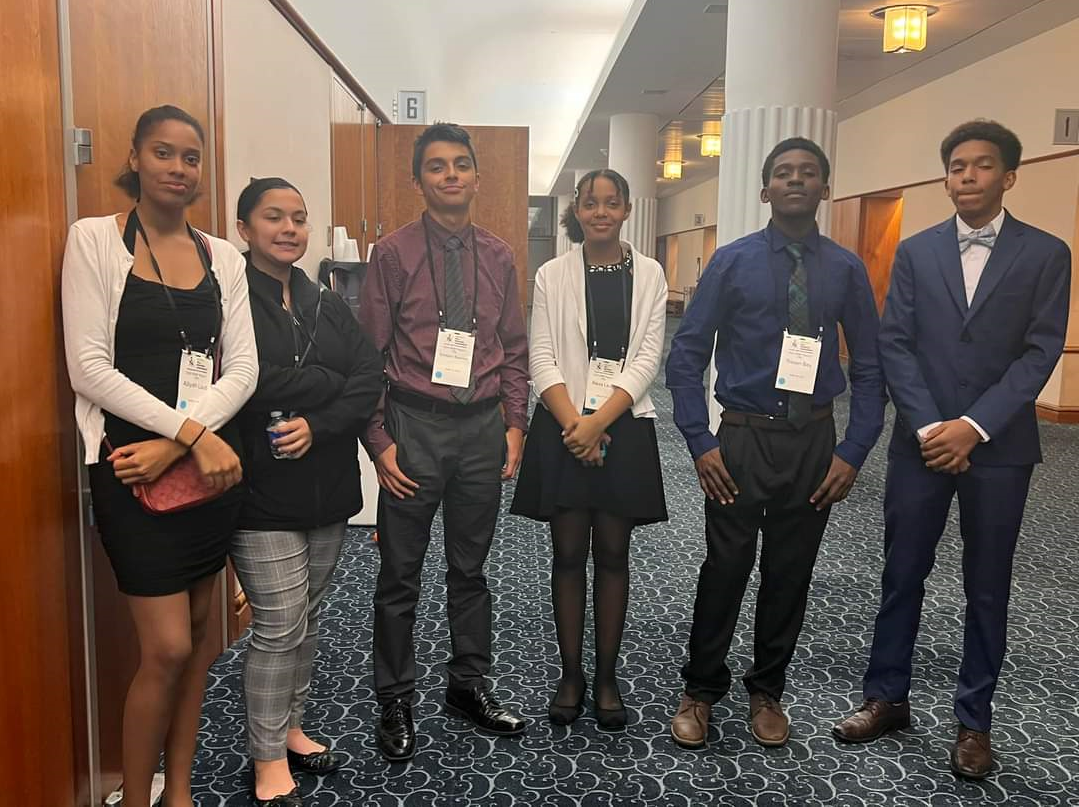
(285, 575)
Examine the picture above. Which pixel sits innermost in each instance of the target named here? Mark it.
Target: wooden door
(40, 746)
(501, 205)
(371, 221)
(128, 56)
(346, 155)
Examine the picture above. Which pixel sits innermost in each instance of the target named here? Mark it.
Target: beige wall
(277, 114)
(1044, 195)
(675, 212)
(690, 249)
(897, 143)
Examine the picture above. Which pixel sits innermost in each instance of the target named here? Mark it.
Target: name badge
(196, 377)
(798, 363)
(601, 375)
(453, 358)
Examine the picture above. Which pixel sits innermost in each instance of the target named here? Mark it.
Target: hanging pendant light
(906, 27)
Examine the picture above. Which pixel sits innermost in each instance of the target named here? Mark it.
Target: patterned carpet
(1037, 704)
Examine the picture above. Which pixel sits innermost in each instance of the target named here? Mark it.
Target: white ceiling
(482, 62)
(673, 46)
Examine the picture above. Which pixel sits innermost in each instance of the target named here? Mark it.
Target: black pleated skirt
(628, 484)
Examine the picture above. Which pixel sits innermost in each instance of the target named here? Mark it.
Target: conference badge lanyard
(798, 362)
(602, 372)
(453, 348)
(196, 374)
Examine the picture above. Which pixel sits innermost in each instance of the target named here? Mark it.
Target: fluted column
(790, 93)
(634, 139)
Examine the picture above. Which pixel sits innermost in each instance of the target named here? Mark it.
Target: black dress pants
(457, 462)
(776, 469)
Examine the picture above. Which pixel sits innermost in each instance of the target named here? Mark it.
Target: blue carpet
(1036, 722)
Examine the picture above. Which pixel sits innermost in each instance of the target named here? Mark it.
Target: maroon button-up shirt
(400, 314)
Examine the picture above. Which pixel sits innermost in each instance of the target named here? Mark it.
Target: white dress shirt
(974, 261)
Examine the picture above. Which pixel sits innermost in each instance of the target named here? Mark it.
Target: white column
(790, 92)
(562, 242)
(634, 140)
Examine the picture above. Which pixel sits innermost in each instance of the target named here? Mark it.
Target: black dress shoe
(487, 714)
(317, 762)
(396, 732)
(612, 719)
(290, 799)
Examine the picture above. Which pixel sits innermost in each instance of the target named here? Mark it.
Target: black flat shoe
(565, 715)
(611, 719)
(317, 762)
(290, 799)
(485, 713)
(396, 731)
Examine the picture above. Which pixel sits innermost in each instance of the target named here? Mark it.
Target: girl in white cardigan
(591, 463)
(144, 295)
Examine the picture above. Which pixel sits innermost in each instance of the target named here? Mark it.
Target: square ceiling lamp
(712, 139)
(672, 169)
(906, 27)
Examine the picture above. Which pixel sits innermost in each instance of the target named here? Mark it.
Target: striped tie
(457, 314)
(799, 405)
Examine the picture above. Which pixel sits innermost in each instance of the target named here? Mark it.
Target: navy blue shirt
(740, 307)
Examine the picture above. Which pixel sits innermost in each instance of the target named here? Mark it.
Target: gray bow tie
(985, 237)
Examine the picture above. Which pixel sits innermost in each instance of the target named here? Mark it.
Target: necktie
(458, 317)
(799, 405)
(984, 237)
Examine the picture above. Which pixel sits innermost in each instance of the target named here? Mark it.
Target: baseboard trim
(1054, 414)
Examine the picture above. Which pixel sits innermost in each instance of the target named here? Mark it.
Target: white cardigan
(558, 350)
(96, 266)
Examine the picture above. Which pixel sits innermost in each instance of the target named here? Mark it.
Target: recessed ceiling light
(653, 92)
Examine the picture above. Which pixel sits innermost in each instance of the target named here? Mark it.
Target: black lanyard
(297, 358)
(434, 283)
(623, 271)
(133, 226)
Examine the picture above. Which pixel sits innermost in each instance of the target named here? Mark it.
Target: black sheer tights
(572, 533)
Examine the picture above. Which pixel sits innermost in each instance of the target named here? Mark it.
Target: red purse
(181, 487)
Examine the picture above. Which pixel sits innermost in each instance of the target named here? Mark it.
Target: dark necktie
(458, 317)
(799, 404)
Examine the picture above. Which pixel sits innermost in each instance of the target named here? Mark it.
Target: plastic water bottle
(276, 419)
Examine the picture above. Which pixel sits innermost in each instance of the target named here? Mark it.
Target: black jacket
(336, 389)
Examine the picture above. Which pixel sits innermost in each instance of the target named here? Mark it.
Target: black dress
(154, 555)
(630, 481)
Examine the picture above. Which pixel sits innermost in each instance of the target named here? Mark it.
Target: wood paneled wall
(37, 745)
(501, 205)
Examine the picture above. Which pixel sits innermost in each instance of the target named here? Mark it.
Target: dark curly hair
(569, 215)
(128, 180)
(1011, 150)
(791, 144)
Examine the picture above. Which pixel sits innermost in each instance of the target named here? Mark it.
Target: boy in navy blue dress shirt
(766, 308)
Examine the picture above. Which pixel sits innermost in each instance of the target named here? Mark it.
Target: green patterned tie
(799, 405)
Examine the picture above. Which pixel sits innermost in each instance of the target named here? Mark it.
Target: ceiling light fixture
(712, 139)
(672, 169)
(905, 27)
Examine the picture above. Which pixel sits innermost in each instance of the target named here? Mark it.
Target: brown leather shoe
(972, 757)
(770, 726)
(689, 727)
(873, 719)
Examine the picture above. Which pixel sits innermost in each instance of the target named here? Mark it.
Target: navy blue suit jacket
(943, 359)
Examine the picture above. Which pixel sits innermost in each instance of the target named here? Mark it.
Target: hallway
(1036, 734)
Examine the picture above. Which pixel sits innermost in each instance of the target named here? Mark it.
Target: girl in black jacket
(319, 382)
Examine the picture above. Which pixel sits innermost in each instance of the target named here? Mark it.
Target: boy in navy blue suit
(973, 326)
